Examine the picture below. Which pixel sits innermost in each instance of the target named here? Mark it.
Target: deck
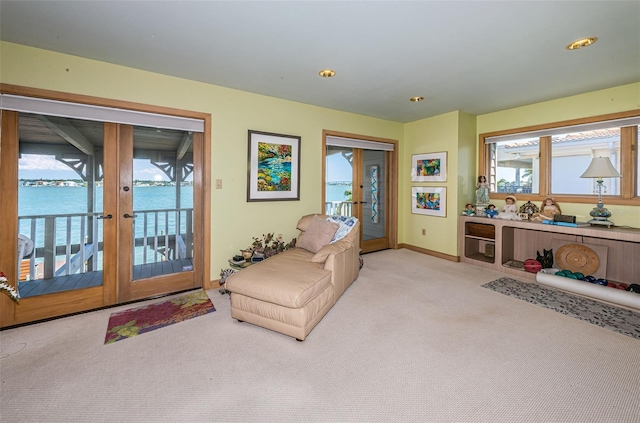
(90, 279)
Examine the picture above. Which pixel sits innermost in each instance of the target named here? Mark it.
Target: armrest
(329, 249)
(342, 259)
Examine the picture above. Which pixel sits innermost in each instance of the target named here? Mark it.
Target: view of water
(336, 192)
(47, 201)
(35, 201)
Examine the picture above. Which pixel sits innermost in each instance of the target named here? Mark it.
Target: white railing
(342, 208)
(66, 244)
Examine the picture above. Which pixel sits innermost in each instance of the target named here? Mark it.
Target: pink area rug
(135, 321)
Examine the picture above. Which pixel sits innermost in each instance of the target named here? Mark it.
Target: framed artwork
(273, 167)
(430, 167)
(431, 201)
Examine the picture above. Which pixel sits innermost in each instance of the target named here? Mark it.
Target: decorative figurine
(545, 260)
(509, 210)
(468, 210)
(528, 209)
(491, 211)
(482, 191)
(548, 209)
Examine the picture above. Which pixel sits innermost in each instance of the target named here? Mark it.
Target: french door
(106, 213)
(155, 219)
(359, 182)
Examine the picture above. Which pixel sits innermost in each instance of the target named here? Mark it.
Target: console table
(491, 243)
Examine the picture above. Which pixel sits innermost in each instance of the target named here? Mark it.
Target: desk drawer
(481, 230)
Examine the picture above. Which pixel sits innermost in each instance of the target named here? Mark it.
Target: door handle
(109, 216)
(130, 216)
(363, 202)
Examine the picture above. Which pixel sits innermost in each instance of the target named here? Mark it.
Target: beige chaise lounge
(291, 292)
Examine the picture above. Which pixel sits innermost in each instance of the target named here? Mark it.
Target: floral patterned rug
(604, 315)
(135, 321)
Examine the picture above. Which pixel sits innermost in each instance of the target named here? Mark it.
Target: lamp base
(599, 222)
(600, 215)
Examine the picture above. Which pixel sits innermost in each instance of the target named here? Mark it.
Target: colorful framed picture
(430, 167)
(273, 167)
(430, 201)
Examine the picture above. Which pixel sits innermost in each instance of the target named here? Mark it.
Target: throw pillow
(318, 234)
(346, 224)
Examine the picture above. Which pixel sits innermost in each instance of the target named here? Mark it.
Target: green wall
(234, 221)
(455, 133)
(602, 102)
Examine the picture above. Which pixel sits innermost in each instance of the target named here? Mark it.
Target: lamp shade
(601, 167)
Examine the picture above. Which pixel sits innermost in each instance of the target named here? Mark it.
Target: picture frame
(273, 169)
(429, 167)
(430, 201)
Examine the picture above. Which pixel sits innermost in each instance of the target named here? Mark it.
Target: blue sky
(338, 168)
(32, 166)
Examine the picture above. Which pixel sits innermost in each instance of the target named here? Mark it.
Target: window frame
(628, 159)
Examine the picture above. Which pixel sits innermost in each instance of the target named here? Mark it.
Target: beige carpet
(414, 339)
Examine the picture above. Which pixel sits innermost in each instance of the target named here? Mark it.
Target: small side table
(235, 267)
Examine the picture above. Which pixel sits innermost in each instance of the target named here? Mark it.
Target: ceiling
(473, 56)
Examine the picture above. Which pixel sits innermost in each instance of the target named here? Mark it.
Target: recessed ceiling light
(416, 99)
(582, 43)
(327, 73)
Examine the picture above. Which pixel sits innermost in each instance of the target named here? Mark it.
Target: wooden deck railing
(67, 244)
(342, 208)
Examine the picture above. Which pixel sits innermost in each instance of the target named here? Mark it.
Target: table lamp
(599, 168)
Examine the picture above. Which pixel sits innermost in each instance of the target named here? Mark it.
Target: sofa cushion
(305, 221)
(289, 279)
(319, 233)
(345, 225)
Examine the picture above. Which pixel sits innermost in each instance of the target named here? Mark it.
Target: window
(635, 149)
(571, 154)
(549, 159)
(516, 166)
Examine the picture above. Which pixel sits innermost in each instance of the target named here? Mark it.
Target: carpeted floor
(135, 321)
(415, 339)
(604, 315)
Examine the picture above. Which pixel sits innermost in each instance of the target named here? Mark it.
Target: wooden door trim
(392, 173)
(110, 206)
(125, 201)
(207, 282)
(9, 210)
(99, 101)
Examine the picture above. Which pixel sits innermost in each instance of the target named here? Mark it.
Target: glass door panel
(374, 195)
(162, 203)
(339, 181)
(60, 197)
(356, 185)
(156, 221)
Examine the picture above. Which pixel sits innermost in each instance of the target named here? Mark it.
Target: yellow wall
(455, 133)
(234, 221)
(602, 102)
(431, 135)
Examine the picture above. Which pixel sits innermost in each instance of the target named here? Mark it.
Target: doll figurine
(482, 190)
(491, 211)
(548, 209)
(509, 211)
(468, 210)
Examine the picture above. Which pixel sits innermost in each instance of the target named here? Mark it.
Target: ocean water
(52, 201)
(34, 201)
(336, 192)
